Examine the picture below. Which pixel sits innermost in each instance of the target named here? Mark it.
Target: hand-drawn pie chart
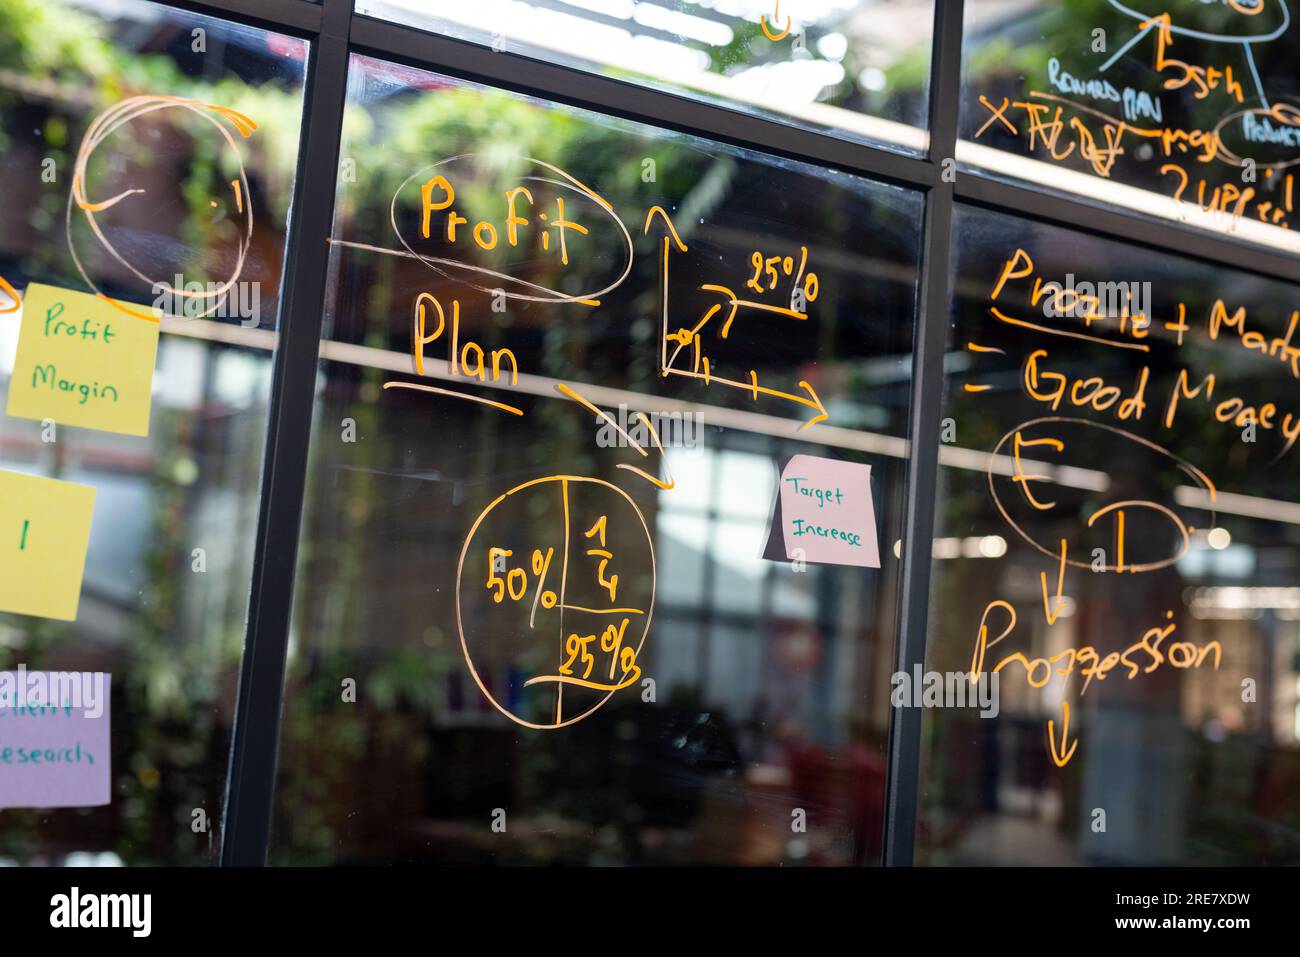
(555, 591)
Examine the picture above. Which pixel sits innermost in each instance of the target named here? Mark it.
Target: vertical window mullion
(926, 398)
(251, 783)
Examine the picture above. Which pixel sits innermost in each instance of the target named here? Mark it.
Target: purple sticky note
(54, 738)
(824, 513)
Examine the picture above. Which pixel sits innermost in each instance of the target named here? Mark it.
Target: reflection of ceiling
(881, 31)
(683, 45)
(998, 16)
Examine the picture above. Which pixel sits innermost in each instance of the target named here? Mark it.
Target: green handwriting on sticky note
(824, 514)
(83, 361)
(44, 531)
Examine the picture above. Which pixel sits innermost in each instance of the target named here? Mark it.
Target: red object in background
(812, 775)
(290, 47)
(866, 800)
(849, 785)
(798, 646)
(406, 76)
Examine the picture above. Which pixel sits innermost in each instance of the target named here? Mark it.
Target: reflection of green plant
(174, 653)
(1001, 55)
(408, 677)
(159, 690)
(1015, 51)
(746, 40)
(51, 41)
(68, 63)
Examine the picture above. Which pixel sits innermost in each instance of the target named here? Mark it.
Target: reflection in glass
(165, 591)
(1114, 405)
(859, 68)
(761, 696)
(1184, 110)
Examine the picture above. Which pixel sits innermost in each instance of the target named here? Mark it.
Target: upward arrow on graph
(672, 240)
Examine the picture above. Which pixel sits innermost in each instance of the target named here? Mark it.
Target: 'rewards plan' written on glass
(1185, 109)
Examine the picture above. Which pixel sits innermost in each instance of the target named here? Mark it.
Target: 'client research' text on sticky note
(83, 361)
(54, 739)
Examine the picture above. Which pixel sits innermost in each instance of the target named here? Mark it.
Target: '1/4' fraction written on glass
(513, 583)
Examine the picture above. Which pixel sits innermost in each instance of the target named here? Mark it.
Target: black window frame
(336, 31)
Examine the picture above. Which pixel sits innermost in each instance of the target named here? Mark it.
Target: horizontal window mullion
(295, 17)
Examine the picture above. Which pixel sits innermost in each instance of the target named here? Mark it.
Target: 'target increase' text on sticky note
(54, 739)
(824, 514)
(81, 361)
(44, 531)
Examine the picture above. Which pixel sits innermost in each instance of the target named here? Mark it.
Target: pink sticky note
(826, 512)
(54, 738)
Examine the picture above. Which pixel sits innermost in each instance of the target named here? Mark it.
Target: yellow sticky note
(84, 361)
(44, 531)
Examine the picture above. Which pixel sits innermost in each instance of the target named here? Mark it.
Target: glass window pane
(769, 689)
(1118, 511)
(1182, 110)
(858, 68)
(132, 167)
